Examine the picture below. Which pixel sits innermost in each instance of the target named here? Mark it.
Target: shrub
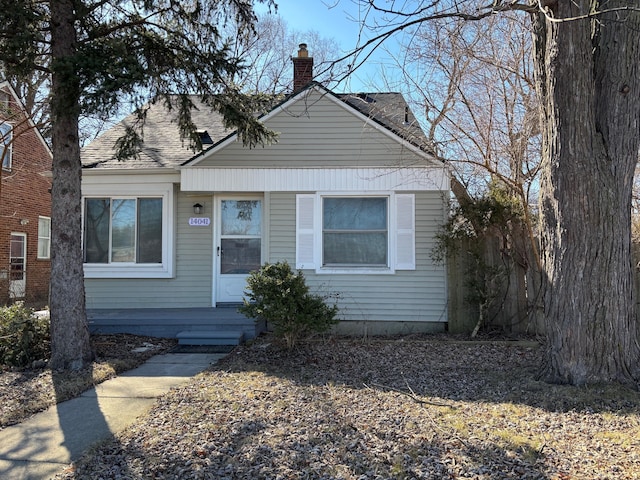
(23, 336)
(281, 297)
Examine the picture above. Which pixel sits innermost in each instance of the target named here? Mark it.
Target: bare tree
(474, 82)
(587, 80)
(267, 56)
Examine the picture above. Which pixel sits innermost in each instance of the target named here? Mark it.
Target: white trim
(130, 270)
(18, 288)
(233, 137)
(314, 179)
(6, 139)
(404, 208)
(380, 128)
(48, 238)
(30, 122)
(92, 177)
(305, 231)
(233, 281)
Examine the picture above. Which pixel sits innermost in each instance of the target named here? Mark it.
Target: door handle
(219, 250)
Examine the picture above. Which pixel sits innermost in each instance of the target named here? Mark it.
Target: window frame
(164, 269)
(6, 145)
(324, 231)
(5, 102)
(401, 234)
(42, 238)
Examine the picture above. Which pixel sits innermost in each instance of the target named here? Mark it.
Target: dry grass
(421, 408)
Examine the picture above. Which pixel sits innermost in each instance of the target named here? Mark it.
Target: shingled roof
(390, 110)
(163, 148)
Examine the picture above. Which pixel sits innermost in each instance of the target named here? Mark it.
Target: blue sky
(329, 17)
(338, 19)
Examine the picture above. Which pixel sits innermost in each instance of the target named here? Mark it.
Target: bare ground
(399, 408)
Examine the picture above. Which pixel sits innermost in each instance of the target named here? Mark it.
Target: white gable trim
(313, 179)
(324, 93)
(233, 138)
(7, 86)
(385, 131)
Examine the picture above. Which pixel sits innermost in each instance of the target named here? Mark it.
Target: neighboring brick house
(25, 205)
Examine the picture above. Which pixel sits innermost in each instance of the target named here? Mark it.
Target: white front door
(239, 245)
(18, 265)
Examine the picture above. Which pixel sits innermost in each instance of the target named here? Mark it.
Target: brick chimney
(302, 68)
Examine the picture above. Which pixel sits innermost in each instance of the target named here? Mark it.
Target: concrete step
(210, 337)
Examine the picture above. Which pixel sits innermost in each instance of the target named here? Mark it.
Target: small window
(355, 232)
(44, 237)
(6, 137)
(123, 230)
(4, 103)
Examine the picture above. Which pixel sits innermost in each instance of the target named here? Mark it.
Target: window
(123, 230)
(44, 237)
(355, 233)
(4, 103)
(128, 228)
(6, 137)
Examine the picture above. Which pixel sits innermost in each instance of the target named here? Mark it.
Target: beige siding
(418, 295)
(191, 285)
(326, 135)
(282, 228)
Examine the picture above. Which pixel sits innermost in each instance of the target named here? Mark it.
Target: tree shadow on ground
(253, 449)
(264, 413)
(82, 422)
(496, 372)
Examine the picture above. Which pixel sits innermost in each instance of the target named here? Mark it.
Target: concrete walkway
(42, 446)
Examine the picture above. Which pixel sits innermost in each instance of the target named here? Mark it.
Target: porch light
(198, 209)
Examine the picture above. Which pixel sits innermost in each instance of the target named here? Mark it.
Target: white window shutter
(305, 238)
(405, 232)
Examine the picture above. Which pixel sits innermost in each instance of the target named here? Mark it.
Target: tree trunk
(588, 77)
(70, 346)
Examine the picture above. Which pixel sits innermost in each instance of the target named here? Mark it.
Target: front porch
(183, 323)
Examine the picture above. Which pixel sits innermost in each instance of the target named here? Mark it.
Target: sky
(338, 19)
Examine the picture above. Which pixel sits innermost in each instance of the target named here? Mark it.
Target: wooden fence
(496, 285)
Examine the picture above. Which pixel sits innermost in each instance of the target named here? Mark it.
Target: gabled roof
(163, 148)
(7, 88)
(391, 111)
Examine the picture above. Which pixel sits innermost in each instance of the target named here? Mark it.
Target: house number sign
(199, 221)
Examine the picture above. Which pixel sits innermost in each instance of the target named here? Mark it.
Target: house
(349, 194)
(25, 205)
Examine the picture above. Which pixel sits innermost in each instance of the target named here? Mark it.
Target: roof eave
(129, 171)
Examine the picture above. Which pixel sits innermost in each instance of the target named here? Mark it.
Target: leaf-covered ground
(24, 392)
(403, 408)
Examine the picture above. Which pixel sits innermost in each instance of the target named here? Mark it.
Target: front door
(18, 264)
(239, 245)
